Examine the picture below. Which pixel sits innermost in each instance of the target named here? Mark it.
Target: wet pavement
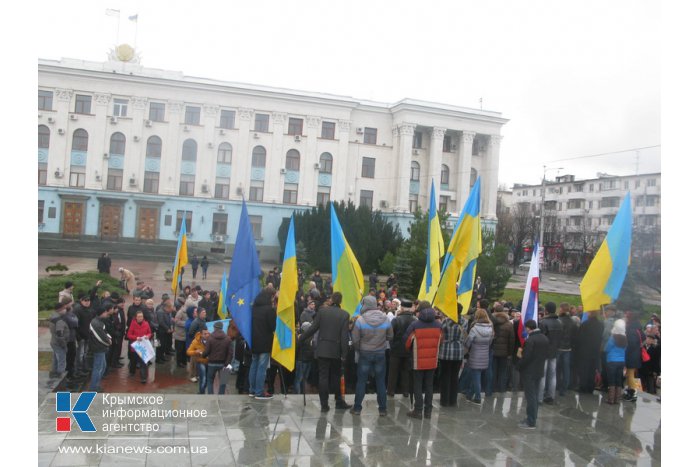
(578, 430)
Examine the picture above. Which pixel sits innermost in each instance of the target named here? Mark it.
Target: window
(328, 130)
(637, 183)
(651, 182)
(627, 185)
(323, 196)
(575, 204)
(45, 100)
(189, 150)
(290, 193)
(187, 185)
(568, 222)
(568, 189)
(168, 220)
(187, 215)
(262, 122)
(222, 188)
(259, 154)
(44, 136)
(154, 146)
(650, 221)
(415, 171)
(442, 206)
(418, 140)
(256, 226)
(77, 176)
(52, 212)
(224, 154)
(296, 126)
(558, 206)
(227, 119)
(444, 175)
(590, 205)
(256, 190)
(41, 211)
(120, 107)
(218, 224)
(413, 203)
(578, 188)
(326, 163)
(82, 104)
(156, 112)
(366, 198)
(370, 136)
(651, 201)
(368, 167)
(590, 187)
(447, 143)
(609, 184)
(150, 182)
(43, 174)
(192, 115)
(117, 144)
(610, 202)
(293, 160)
(114, 179)
(577, 220)
(472, 177)
(80, 140)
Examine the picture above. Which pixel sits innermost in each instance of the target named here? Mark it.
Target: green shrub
(82, 283)
(56, 267)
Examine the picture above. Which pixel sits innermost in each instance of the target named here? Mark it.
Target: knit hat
(305, 325)
(619, 327)
(368, 303)
(218, 325)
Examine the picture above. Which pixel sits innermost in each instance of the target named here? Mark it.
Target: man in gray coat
(59, 340)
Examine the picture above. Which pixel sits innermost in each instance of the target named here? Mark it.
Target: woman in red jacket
(139, 330)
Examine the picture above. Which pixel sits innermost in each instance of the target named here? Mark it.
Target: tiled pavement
(578, 430)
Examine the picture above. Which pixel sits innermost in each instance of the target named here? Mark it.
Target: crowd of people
(392, 346)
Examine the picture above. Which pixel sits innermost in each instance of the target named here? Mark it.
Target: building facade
(126, 152)
(578, 214)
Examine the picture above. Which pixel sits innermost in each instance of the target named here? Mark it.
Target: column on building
(274, 180)
(437, 135)
(172, 152)
(491, 193)
(464, 168)
(135, 156)
(404, 165)
(341, 176)
(308, 174)
(242, 155)
(206, 162)
(59, 149)
(98, 142)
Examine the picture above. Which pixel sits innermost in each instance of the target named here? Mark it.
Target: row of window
(444, 173)
(219, 224)
(578, 221)
(605, 185)
(607, 202)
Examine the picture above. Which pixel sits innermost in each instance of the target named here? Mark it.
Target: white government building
(125, 152)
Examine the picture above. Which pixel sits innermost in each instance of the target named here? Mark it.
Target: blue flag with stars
(243, 278)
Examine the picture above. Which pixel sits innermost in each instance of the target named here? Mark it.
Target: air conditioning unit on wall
(383, 204)
(221, 207)
(148, 123)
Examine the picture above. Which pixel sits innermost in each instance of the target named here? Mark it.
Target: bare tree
(515, 229)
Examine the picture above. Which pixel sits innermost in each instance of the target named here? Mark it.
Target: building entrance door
(148, 224)
(72, 219)
(110, 221)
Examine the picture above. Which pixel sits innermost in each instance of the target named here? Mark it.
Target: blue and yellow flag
(180, 257)
(221, 310)
(436, 248)
(347, 274)
(284, 341)
(243, 278)
(457, 276)
(602, 283)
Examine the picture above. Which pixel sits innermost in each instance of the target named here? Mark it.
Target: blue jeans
(302, 374)
(59, 358)
(550, 378)
(202, 373)
(564, 369)
(475, 389)
(368, 363)
(257, 373)
(99, 365)
(212, 368)
(530, 386)
(465, 380)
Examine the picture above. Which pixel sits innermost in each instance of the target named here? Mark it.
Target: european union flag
(243, 278)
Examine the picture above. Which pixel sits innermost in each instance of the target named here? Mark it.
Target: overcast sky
(575, 78)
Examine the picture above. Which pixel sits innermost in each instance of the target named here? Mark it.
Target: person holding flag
(436, 248)
(180, 258)
(347, 274)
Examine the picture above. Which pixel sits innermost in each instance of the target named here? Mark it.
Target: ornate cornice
(63, 94)
(175, 107)
(438, 133)
(246, 114)
(407, 129)
(210, 109)
(312, 121)
(344, 125)
(495, 140)
(139, 103)
(102, 98)
(278, 118)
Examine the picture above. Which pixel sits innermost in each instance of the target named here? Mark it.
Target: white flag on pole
(112, 12)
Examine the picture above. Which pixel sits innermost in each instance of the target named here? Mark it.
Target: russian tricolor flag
(530, 298)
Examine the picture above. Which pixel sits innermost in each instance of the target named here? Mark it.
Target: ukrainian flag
(284, 342)
(180, 257)
(221, 310)
(347, 274)
(436, 248)
(602, 283)
(458, 269)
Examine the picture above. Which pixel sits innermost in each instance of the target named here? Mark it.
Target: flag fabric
(284, 341)
(112, 12)
(347, 275)
(134, 17)
(436, 248)
(224, 322)
(180, 257)
(460, 259)
(243, 278)
(221, 310)
(531, 295)
(602, 283)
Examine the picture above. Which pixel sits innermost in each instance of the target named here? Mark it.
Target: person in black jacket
(400, 358)
(100, 342)
(552, 328)
(568, 335)
(531, 366)
(85, 315)
(331, 322)
(264, 322)
(588, 343)
(220, 353)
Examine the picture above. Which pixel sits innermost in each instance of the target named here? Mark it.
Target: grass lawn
(45, 361)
